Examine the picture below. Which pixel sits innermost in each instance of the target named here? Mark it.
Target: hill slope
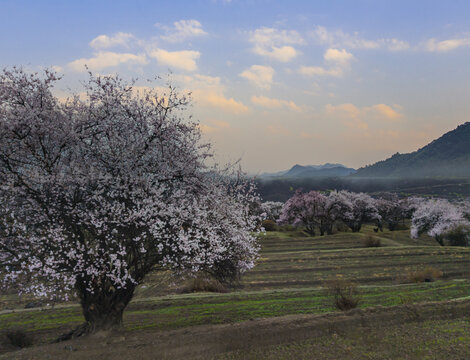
(312, 171)
(448, 156)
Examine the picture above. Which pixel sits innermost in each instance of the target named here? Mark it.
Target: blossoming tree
(392, 210)
(355, 208)
(437, 217)
(96, 192)
(311, 210)
(271, 209)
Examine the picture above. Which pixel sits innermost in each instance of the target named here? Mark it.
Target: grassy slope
(287, 281)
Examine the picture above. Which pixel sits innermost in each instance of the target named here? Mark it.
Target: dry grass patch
(344, 293)
(428, 274)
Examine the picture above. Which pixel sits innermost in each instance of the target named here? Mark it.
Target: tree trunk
(103, 310)
(310, 229)
(439, 239)
(329, 229)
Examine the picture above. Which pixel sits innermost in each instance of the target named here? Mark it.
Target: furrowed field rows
(188, 310)
(311, 261)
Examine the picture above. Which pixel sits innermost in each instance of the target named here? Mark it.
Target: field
(281, 309)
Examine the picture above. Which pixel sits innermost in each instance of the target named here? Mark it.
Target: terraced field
(287, 281)
(302, 261)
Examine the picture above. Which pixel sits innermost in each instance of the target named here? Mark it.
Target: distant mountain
(311, 171)
(448, 156)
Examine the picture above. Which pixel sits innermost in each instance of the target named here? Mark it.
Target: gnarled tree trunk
(104, 309)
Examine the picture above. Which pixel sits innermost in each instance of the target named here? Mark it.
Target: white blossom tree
(97, 192)
(271, 209)
(437, 217)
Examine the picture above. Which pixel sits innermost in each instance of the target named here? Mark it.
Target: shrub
(401, 226)
(225, 271)
(286, 227)
(428, 274)
(344, 293)
(19, 338)
(458, 236)
(269, 225)
(342, 227)
(371, 241)
(204, 283)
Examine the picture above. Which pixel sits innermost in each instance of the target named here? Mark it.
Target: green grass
(441, 339)
(287, 280)
(181, 311)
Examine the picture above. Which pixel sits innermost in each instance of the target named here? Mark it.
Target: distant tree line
(447, 222)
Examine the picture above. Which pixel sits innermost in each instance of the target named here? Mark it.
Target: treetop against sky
(273, 82)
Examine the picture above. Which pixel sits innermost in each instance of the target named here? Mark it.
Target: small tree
(97, 193)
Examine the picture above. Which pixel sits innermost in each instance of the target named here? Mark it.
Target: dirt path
(204, 342)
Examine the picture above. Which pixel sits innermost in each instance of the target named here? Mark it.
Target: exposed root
(79, 331)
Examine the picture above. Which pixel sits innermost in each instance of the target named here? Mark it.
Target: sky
(274, 83)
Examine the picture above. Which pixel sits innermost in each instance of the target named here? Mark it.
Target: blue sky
(274, 82)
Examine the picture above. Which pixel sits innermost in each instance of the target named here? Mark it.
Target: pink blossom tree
(303, 209)
(392, 210)
(355, 208)
(98, 192)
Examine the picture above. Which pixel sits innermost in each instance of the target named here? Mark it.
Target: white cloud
(275, 44)
(227, 104)
(338, 56)
(271, 103)
(57, 68)
(105, 59)
(259, 75)
(340, 60)
(360, 118)
(208, 91)
(434, 45)
(185, 59)
(182, 30)
(105, 41)
(338, 38)
(214, 126)
(320, 71)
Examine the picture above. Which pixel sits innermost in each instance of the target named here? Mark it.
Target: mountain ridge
(308, 171)
(446, 156)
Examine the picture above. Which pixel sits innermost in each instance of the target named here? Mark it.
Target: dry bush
(18, 338)
(428, 274)
(299, 233)
(345, 293)
(371, 241)
(269, 225)
(205, 284)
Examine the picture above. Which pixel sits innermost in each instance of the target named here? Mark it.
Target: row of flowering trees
(446, 222)
(315, 210)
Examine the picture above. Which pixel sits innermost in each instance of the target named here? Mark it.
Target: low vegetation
(290, 280)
